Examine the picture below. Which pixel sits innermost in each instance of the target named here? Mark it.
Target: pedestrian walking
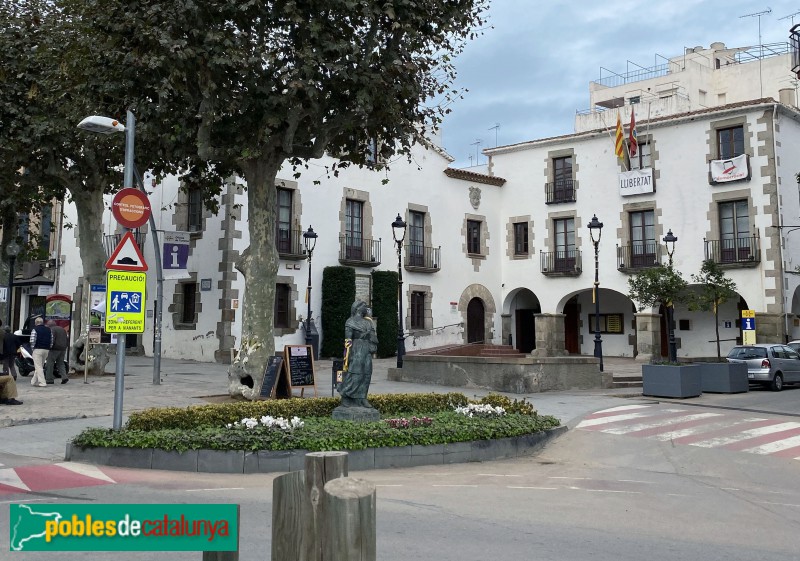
(10, 348)
(55, 358)
(41, 343)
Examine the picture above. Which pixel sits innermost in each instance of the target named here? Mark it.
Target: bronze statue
(360, 342)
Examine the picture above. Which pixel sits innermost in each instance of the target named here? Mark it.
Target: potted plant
(714, 289)
(655, 286)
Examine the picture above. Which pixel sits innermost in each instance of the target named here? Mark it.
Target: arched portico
(519, 325)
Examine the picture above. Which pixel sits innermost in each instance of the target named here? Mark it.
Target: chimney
(787, 96)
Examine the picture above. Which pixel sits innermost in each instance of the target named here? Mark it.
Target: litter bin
(338, 365)
(313, 337)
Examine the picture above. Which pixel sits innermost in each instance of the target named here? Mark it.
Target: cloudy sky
(530, 72)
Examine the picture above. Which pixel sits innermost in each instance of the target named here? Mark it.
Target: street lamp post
(12, 250)
(399, 235)
(310, 242)
(669, 241)
(105, 125)
(595, 224)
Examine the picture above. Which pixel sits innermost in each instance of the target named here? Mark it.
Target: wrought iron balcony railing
(560, 191)
(359, 251)
(422, 258)
(734, 251)
(562, 263)
(638, 255)
(290, 243)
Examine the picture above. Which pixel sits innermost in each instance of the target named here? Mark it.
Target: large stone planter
(661, 380)
(723, 377)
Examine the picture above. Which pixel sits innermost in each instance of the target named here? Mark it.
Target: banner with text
(636, 182)
(732, 169)
(123, 527)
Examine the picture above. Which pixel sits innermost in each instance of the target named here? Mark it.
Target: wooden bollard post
(348, 531)
(321, 467)
(296, 506)
(288, 496)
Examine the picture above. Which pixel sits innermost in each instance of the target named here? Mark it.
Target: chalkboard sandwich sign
(299, 361)
(276, 381)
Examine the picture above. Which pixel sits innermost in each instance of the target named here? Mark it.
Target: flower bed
(263, 425)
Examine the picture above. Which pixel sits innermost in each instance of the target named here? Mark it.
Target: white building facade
(506, 256)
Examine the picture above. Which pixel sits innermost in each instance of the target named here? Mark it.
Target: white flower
(480, 410)
(269, 422)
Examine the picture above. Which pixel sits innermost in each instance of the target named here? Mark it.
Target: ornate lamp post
(12, 250)
(399, 235)
(310, 242)
(669, 241)
(595, 224)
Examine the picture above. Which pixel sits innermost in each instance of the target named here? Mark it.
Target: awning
(38, 280)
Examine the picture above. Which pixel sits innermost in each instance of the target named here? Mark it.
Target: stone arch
(490, 309)
(518, 319)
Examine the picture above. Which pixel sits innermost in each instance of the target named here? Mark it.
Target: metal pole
(159, 290)
(673, 350)
(401, 343)
(10, 298)
(308, 298)
(119, 374)
(598, 342)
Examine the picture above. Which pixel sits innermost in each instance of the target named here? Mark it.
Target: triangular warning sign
(127, 256)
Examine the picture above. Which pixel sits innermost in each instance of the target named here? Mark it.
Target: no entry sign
(131, 208)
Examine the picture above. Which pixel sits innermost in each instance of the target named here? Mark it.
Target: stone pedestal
(550, 339)
(648, 336)
(356, 414)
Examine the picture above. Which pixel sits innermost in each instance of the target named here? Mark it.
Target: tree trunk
(89, 204)
(716, 327)
(259, 266)
(8, 221)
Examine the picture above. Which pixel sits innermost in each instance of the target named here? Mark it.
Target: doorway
(572, 327)
(475, 321)
(526, 330)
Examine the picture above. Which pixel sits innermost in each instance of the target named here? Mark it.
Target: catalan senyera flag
(619, 140)
(632, 142)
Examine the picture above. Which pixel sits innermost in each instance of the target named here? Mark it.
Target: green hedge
(338, 295)
(219, 415)
(384, 307)
(321, 434)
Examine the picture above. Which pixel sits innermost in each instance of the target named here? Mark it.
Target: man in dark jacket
(41, 343)
(55, 358)
(10, 347)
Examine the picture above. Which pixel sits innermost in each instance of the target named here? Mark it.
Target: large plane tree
(253, 86)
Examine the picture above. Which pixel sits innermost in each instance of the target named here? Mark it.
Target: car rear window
(745, 353)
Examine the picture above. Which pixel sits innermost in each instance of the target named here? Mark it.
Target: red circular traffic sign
(131, 207)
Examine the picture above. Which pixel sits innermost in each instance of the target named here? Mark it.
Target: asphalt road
(589, 495)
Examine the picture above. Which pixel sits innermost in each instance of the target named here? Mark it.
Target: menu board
(271, 373)
(300, 364)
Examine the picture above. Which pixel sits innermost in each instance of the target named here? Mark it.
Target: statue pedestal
(356, 414)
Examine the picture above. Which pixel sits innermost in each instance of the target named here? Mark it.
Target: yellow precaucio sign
(125, 301)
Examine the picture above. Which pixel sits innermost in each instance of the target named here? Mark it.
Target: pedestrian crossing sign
(125, 301)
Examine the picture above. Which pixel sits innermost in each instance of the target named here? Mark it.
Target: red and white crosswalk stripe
(707, 429)
(50, 477)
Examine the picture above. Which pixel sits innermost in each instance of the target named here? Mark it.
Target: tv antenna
(760, 47)
(495, 128)
(476, 144)
(789, 16)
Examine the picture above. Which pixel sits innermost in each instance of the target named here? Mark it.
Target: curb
(239, 461)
